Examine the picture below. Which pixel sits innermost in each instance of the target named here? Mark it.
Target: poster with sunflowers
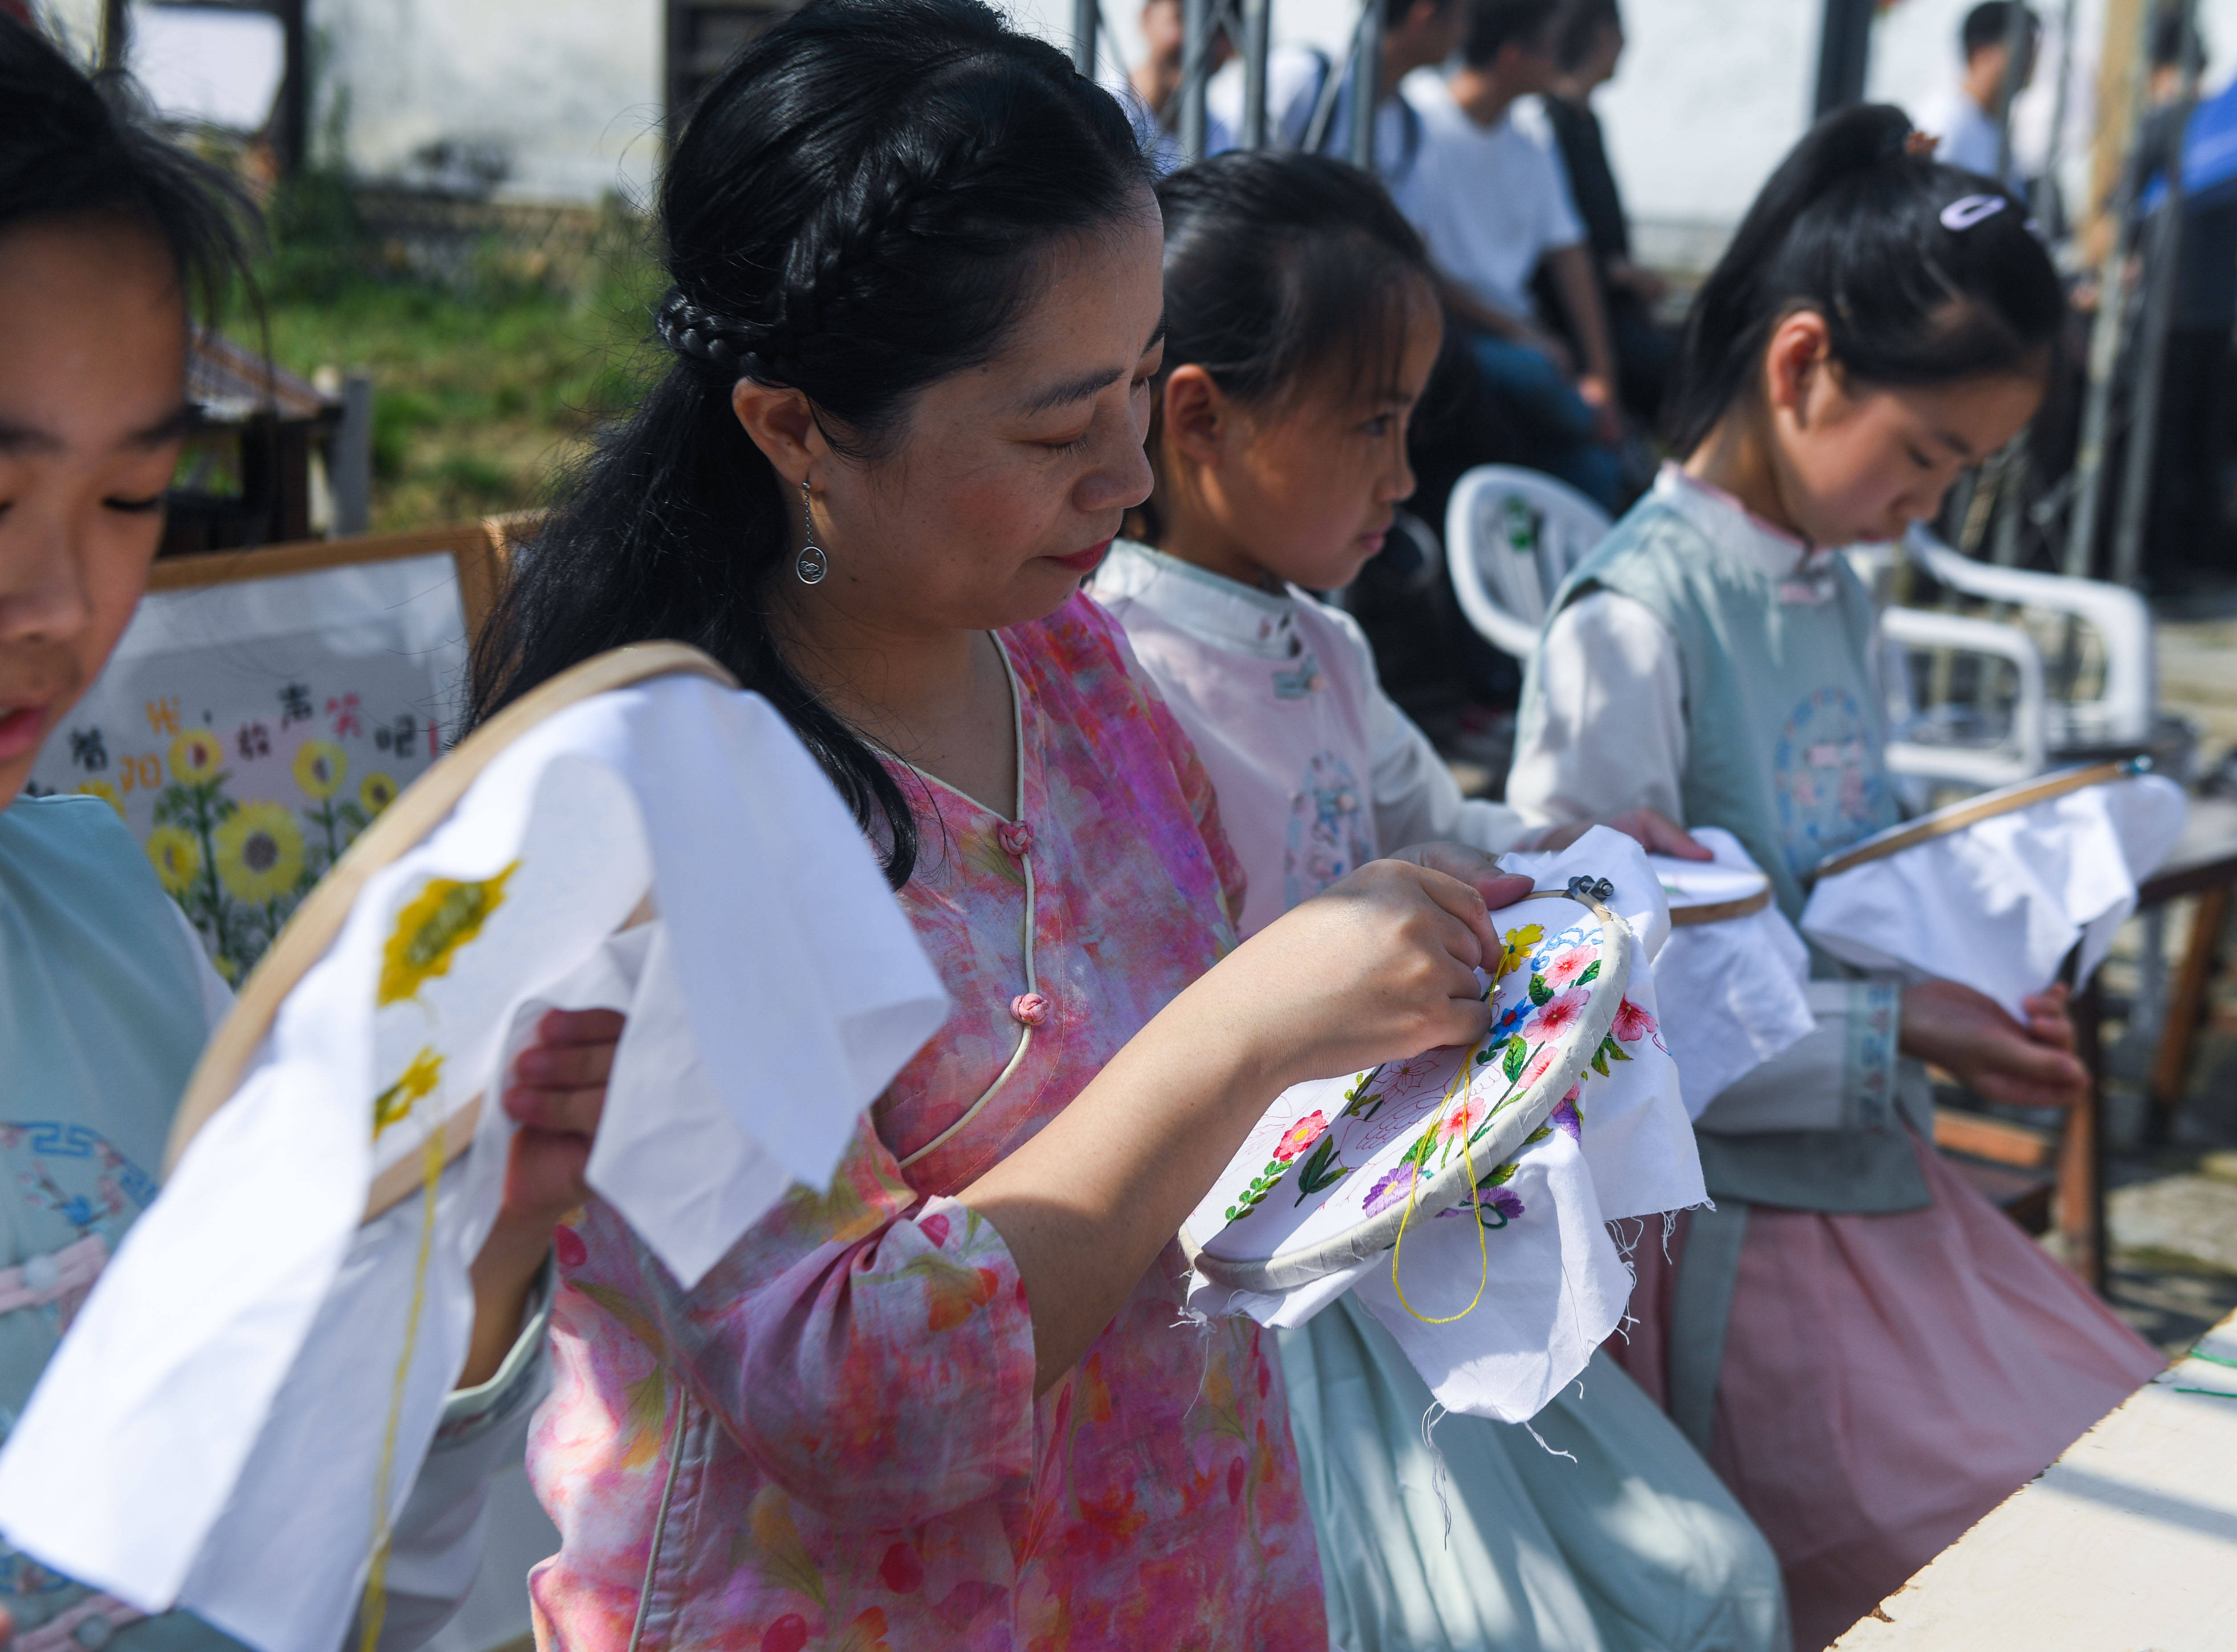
(248, 732)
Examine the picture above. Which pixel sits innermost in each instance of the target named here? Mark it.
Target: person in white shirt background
(1489, 197)
(1969, 126)
(1300, 80)
(1150, 93)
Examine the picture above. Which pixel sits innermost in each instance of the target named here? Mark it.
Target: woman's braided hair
(858, 207)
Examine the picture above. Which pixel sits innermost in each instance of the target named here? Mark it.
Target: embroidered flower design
(1299, 1137)
(1029, 1008)
(393, 1105)
(1631, 1023)
(442, 918)
(1567, 1118)
(1540, 1065)
(1457, 1124)
(1564, 970)
(1557, 1015)
(1016, 838)
(1518, 943)
(1488, 1204)
(1389, 1191)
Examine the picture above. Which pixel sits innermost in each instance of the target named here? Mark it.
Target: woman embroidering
(917, 309)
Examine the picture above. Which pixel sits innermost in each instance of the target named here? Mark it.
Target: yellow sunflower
(259, 851)
(433, 925)
(320, 767)
(195, 755)
(393, 1105)
(377, 792)
(178, 857)
(105, 791)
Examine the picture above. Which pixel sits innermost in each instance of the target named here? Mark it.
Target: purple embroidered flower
(1566, 1116)
(1389, 1191)
(1495, 1206)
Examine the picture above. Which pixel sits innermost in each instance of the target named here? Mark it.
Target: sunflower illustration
(377, 792)
(320, 768)
(195, 755)
(177, 857)
(433, 925)
(104, 791)
(259, 851)
(393, 1105)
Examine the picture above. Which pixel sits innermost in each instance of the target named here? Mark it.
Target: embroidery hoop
(1686, 912)
(1291, 1269)
(421, 807)
(1942, 823)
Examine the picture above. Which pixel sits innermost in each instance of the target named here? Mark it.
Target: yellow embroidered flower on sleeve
(195, 755)
(376, 792)
(320, 768)
(433, 925)
(259, 851)
(394, 1104)
(105, 791)
(177, 858)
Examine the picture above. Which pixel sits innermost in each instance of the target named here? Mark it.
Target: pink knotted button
(1016, 838)
(1029, 1008)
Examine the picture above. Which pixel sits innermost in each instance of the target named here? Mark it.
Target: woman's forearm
(1087, 1204)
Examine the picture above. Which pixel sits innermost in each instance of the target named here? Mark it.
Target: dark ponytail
(1921, 281)
(856, 210)
(71, 146)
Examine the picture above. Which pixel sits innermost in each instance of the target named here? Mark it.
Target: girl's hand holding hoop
(1968, 1034)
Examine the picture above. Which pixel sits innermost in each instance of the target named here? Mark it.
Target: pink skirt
(1888, 1380)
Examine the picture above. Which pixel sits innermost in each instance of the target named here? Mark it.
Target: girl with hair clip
(1301, 325)
(110, 238)
(951, 1401)
(1870, 1353)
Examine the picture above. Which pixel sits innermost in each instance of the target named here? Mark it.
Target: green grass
(481, 389)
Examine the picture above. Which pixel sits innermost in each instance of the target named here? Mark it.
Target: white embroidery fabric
(1998, 904)
(210, 1434)
(1557, 1284)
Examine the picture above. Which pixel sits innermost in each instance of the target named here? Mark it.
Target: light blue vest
(1784, 750)
(101, 1022)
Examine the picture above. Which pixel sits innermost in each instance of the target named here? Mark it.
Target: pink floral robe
(839, 1419)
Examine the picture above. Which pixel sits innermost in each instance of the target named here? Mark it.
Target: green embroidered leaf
(1600, 1063)
(1516, 1055)
(1540, 992)
(1616, 1051)
(1314, 1175)
(1592, 973)
(1482, 1057)
(1537, 1136)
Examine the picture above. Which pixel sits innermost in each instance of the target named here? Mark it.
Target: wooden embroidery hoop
(423, 805)
(1945, 822)
(1719, 911)
(1292, 1269)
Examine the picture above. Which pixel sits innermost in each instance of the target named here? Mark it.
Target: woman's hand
(1968, 1034)
(558, 1092)
(1377, 966)
(1650, 829)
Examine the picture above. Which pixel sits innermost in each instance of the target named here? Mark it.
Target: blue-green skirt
(1634, 1546)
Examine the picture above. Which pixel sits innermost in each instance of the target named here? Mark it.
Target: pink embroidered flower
(1565, 969)
(1015, 837)
(1455, 1125)
(1299, 1137)
(1559, 1014)
(1030, 1008)
(1540, 1065)
(1631, 1023)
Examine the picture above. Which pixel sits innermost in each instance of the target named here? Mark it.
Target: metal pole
(1086, 17)
(1845, 51)
(2019, 46)
(2105, 335)
(1366, 83)
(2162, 260)
(2046, 188)
(1196, 52)
(1258, 45)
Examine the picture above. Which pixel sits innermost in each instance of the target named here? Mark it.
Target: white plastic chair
(2020, 755)
(1511, 537)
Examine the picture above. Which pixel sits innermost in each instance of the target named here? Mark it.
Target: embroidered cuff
(1869, 1062)
(471, 1412)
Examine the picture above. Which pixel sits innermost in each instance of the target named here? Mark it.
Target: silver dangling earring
(813, 565)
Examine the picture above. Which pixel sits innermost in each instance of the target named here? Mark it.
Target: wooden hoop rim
(1944, 822)
(422, 806)
(1287, 1270)
(1722, 911)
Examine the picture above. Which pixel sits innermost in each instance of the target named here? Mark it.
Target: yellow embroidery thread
(376, 1597)
(433, 925)
(1468, 1159)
